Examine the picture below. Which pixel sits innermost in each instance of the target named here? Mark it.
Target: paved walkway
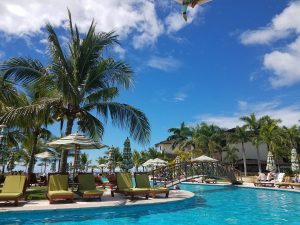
(107, 200)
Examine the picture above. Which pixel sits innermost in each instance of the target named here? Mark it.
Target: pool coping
(246, 185)
(107, 201)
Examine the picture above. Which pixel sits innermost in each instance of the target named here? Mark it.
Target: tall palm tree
(208, 138)
(86, 81)
(254, 125)
(292, 135)
(271, 135)
(32, 115)
(137, 160)
(241, 136)
(179, 134)
(231, 154)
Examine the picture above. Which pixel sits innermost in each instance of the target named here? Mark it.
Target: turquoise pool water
(212, 205)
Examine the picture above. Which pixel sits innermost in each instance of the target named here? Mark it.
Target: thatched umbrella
(127, 163)
(294, 160)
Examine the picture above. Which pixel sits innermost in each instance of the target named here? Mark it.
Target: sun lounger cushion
(86, 182)
(135, 190)
(142, 181)
(92, 192)
(124, 181)
(14, 184)
(60, 193)
(58, 182)
(9, 195)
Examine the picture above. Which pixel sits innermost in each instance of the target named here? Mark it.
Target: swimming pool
(213, 205)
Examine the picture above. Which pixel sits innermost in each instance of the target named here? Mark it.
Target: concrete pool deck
(107, 200)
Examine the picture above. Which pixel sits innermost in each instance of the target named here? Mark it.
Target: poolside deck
(107, 200)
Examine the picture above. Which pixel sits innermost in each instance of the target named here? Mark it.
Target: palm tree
(241, 136)
(137, 160)
(271, 135)
(31, 114)
(292, 135)
(179, 134)
(231, 155)
(86, 81)
(254, 126)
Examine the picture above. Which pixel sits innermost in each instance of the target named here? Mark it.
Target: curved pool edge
(107, 201)
(246, 185)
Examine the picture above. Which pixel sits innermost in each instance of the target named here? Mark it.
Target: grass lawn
(36, 193)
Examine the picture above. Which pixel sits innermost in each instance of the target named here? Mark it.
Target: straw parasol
(271, 166)
(75, 142)
(204, 158)
(294, 160)
(127, 163)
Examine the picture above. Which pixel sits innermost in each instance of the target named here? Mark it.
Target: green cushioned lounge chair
(58, 188)
(125, 186)
(142, 181)
(14, 188)
(87, 186)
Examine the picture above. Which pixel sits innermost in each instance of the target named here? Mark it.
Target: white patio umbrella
(46, 155)
(154, 162)
(102, 166)
(294, 160)
(271, 166)
(75, 142)
(204, 158)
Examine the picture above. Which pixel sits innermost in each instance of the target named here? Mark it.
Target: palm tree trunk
(64, 153)
(32, 158)
(244, 159)
(258, 159)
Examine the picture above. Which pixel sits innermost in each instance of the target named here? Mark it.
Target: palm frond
(23, 69)
(127, 117)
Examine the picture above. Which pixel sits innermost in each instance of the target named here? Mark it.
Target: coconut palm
(231, 154)
(179, 134)
(31, 114)
(137, 160)
(254, 125)
(86, 81)
(241, 135)
(292, 135)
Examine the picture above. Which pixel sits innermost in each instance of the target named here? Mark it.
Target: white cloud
(281, 26)
(283, 63)
(136, 19)
(174, 21)
(180, 97)
(289, 115)
(119, 50)
(164, 63)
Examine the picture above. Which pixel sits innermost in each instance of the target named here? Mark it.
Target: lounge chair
(142, 181)
(286, 183)
(14, 188)
(87, 186)
(58, 188)
(125, 186)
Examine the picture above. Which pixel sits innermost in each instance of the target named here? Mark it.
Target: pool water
(213, 205)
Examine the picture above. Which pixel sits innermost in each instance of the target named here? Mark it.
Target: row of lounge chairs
(14, 187)
(280, 181)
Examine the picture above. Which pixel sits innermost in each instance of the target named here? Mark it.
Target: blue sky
(231, 58)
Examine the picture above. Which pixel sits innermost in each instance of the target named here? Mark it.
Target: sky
(230, 59)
